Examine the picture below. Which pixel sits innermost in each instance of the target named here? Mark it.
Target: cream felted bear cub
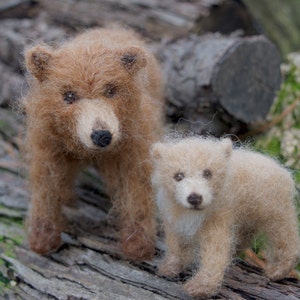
(218, 198)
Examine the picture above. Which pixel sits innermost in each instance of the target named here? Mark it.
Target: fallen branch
(276, 120)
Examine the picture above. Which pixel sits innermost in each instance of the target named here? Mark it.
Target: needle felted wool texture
(95, 99)
(213, 200)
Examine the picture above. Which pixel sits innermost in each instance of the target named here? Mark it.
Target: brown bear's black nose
(101, 138)
(194, 199)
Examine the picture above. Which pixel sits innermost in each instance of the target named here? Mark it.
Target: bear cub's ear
(38, 61)
(133, 59)
(157, 150)
(226, 145)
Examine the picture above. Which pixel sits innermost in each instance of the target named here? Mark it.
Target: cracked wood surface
(90, 264)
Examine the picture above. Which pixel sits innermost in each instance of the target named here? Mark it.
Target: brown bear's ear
(38, 61)
(133, 59)
(226, 145)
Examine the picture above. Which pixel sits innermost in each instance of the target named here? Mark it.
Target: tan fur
(243, 193)
(117, 86)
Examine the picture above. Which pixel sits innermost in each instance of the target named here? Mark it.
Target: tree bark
(217, 83)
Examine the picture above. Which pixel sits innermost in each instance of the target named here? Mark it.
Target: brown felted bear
(96, 99)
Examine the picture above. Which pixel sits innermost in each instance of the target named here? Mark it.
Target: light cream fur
(243, 193)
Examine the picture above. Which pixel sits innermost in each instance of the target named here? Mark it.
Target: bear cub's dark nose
(101, 138)
(194, 199)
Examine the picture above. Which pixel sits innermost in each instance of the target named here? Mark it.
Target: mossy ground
(8, 242)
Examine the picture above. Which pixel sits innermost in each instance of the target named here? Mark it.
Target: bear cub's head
(87, 89)
(190, 172)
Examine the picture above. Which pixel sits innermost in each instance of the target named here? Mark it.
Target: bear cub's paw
(170, 267)
(196, 288)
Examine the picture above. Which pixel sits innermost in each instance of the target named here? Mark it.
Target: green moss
(283, 139)
(258, 243)
(12, 220)
(4, 281)
(7, 248)
(12, 223)
(8, 245)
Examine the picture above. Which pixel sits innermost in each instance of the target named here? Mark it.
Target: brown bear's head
(86, 91)
(190, 171)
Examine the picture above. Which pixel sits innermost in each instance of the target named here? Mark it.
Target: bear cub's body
(95, 99)
(217, 198)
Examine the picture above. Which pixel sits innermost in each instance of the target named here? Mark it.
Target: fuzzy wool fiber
(95, 100)
(213, 200)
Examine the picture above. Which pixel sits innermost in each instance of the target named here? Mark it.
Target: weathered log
(90, 266)
(222, 82)
(226, 17)
(10, 85)
(16, 34)
(18, 8)
(156, 19)
(219, 83)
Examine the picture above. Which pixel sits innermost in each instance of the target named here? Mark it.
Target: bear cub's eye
(70, 97)
(179, 176)
(110, 90)
(207, 173)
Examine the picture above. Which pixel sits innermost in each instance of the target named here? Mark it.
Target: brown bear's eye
(70, 97)
(110, 90)
(207, 174)
(179, 176)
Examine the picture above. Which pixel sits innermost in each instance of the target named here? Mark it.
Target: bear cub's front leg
(179, 254)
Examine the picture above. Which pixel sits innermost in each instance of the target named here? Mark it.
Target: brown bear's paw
(196, 288)
(170, 267)
(137, 246)
(43, 237)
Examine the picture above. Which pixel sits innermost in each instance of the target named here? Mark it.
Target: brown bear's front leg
(138, 228)
(128, 180)
(51, 182)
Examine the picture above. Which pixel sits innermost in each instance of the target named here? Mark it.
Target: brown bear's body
(217, 199)
(96, 99)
